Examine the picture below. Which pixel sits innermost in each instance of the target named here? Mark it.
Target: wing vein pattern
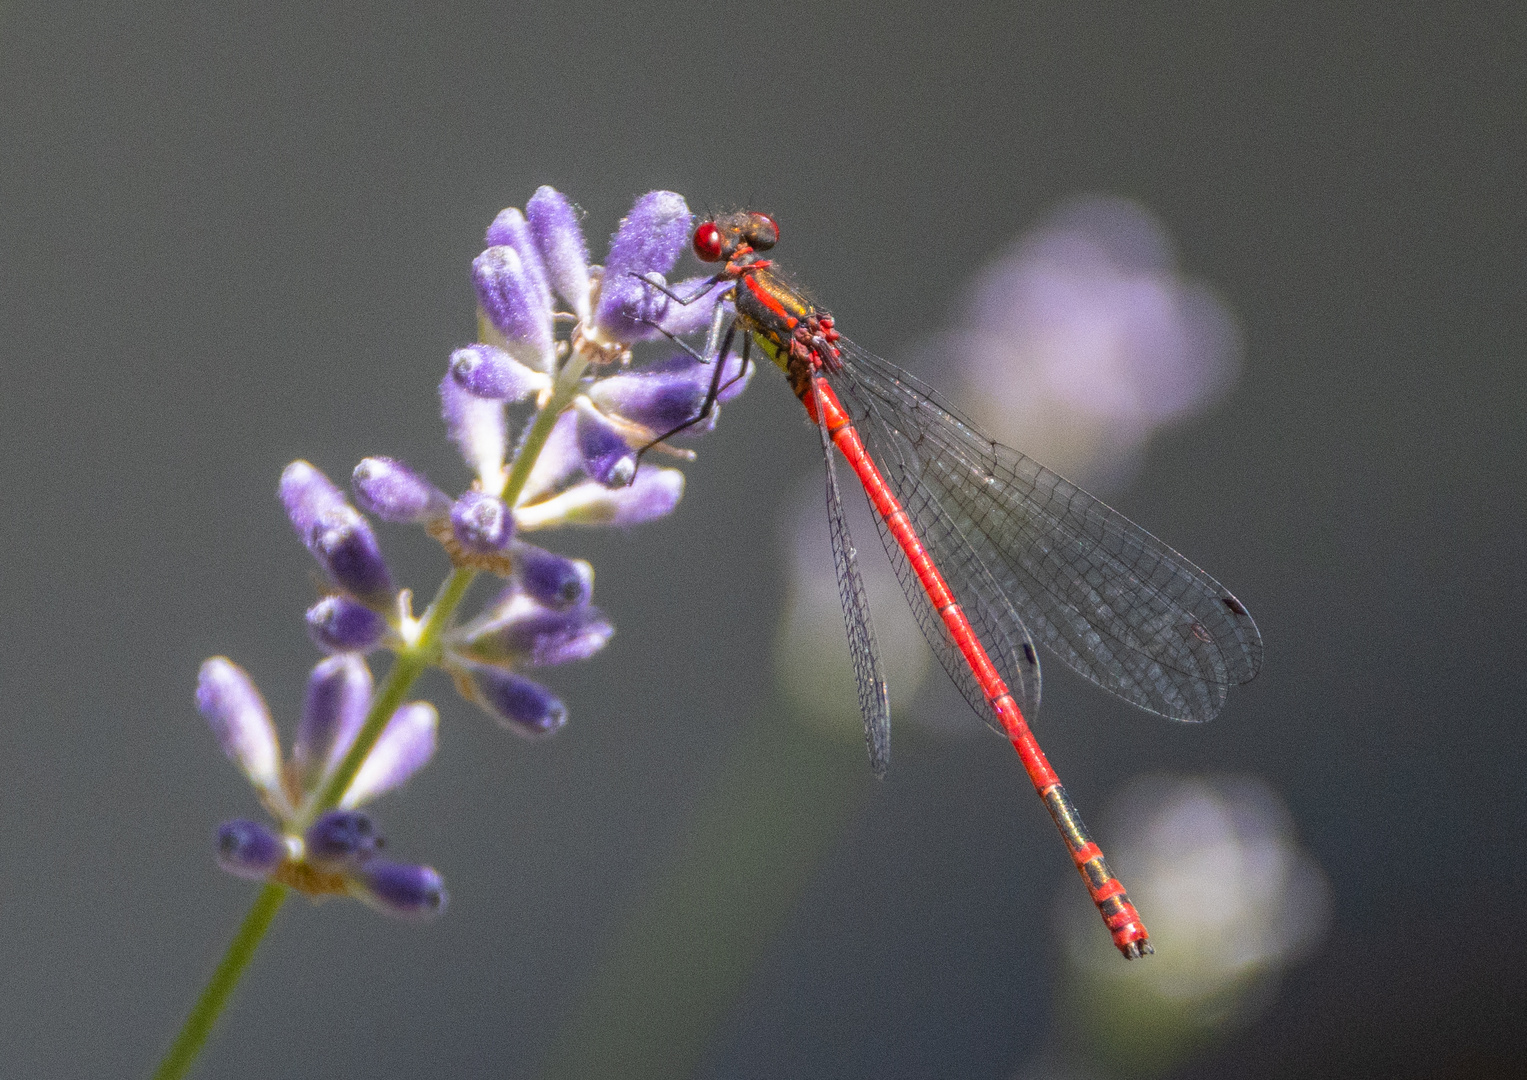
(874, 698)
(1108, 598)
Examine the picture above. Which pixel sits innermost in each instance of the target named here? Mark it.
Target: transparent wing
(874, 699)
(1108, 598)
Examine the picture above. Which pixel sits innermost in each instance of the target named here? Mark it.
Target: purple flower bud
(649, 241)
(400, 889)
(654, 493)
(339, 693)
(552, 580)
(346, 548)
(482, 523)
(681, 319)
(338, 624)
(515, 305)
(663, 395)
(344, 837)
(227, 697)
(486, 371)
(554, 224)
(404, 747)
(476, 425)
(517, 703)
(307, 495)
(559, 459)
(522, 632)
(509, 229)
(606, 455)
(394, 492)
(248, 849)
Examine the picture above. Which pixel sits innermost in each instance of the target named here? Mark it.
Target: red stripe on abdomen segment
(1107, 893)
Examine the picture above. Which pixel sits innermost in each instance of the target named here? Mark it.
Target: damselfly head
(727, 234)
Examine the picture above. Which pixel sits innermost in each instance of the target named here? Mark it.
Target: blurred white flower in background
(1085, 338)
(1231, 901)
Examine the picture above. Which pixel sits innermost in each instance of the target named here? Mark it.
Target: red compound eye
(708, 242)
(762, 231)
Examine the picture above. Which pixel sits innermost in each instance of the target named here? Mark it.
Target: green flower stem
(209, 1006)
(408, 665)
(406, 668)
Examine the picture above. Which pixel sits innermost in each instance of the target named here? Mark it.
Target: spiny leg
(715, 383)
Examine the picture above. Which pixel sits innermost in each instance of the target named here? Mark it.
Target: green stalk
(407, 666)
(209, 1006)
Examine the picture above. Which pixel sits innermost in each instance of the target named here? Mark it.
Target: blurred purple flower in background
(1085, 338)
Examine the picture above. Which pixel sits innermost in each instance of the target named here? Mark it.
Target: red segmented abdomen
(1120, 916)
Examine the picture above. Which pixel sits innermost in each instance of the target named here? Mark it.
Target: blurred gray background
(235, 235)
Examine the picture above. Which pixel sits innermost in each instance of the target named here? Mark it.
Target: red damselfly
(993, 550)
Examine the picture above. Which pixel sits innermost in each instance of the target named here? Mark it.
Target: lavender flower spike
(554, 224)
(339, 693)
(649, 241)
(400, 889)
(337, 624)
(394, 492)
(654, 493)
(487, 371)
(227, 697)
(405, 747)
(248, 849)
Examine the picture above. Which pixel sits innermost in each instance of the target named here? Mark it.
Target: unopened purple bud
(654, 493)
(682, 319)
(556, 463)
(537, 637)
(400, 888)
(346, 548)
(477, 426)
(339, 693)
(509, 229)
(648, 241)
(554, 224)
(663, 395)
(307, 495)
(404, 747)
(486, 371)
(345, 837)
(482, 522)
(515, 304)
(551, 579)
(606, 455)
(394, 492)
(248, 849)
(338, 624)
(518, 703)
(227, 698)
